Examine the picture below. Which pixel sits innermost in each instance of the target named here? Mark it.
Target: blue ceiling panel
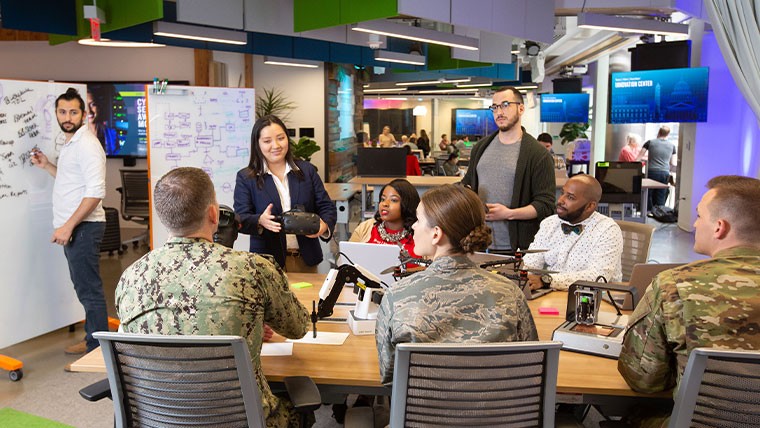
(317, 50)
(271, 44)
(43, 16)
(345, 54)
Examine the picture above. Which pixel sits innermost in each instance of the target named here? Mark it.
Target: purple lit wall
(729, 142)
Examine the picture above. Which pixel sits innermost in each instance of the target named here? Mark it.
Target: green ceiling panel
(439, 58)
(315, 14)
(119, 14)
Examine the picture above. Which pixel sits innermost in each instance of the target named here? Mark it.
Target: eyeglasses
(504, 105)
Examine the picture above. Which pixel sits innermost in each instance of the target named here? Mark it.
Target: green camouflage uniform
(192, 286)
(453, 300)
(709, 303)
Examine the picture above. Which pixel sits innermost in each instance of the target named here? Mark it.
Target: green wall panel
(439, 58)
(352, 11)
(315, 14)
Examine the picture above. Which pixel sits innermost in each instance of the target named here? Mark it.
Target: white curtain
(736, 24)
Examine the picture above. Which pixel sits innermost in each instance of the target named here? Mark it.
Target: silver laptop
(373, 257)
(641, 276)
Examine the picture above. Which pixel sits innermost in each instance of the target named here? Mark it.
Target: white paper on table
(276, 349)
(323, 338)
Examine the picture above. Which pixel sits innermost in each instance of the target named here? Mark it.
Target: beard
(511, 122)
(572, 217)
(74, 126)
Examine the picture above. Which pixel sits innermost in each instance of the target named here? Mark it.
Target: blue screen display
(473, 122)
(117, 114)
(564, 108)
(657, 96)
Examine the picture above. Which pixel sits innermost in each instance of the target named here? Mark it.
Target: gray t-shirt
(496, 180)
(660, 152)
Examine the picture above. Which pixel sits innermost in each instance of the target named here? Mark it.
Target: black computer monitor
(621, 182)
(381, 162)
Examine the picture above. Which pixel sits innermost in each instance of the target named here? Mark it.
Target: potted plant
(304, 148)
(573, 131)
(273, 101)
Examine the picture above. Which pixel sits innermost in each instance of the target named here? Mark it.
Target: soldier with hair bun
(453, 300)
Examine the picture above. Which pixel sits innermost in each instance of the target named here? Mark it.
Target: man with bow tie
(581, 244)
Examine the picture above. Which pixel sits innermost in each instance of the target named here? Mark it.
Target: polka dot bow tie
(569, 228)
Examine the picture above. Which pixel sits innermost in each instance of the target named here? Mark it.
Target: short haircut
(633, 137)
(409, 201)
(453, 156)
(514, 91)
(460, 213)
(544, 137)
(71, 94)
(592, 188)
(182, 198)
(663, 132)
(736, 198)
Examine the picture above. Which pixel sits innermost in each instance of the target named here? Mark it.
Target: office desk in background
(646, 184)
(422, 183)
(353, 367)
(342, 194)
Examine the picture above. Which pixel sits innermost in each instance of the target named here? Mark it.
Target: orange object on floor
(10, 364)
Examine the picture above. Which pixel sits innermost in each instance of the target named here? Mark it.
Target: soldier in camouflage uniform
(453, 300)
(194, 286)
(709, 303)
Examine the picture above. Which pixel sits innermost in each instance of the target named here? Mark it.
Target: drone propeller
(539, 271)
(516, 252)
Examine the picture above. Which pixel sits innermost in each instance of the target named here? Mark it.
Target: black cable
(609, 294)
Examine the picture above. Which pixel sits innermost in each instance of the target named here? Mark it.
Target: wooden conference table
(353, 366)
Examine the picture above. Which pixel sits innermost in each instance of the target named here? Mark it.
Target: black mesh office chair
(135, 205)
(207, 381)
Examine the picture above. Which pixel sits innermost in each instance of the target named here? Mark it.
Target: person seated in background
(453, 300)
(192, 285)
(546, 139)
(392, 223)
(451, 166)
(424, 143)
(444, 143)
(386, 139)
(463, 144)
(630, 151)
(412, 162)
(413, 138)
(581, 244)
(708, 303)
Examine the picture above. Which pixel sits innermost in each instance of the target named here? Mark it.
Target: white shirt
(81, 173)
(596, 251)
(284, 191)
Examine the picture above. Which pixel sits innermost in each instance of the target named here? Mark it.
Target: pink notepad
(548, 311)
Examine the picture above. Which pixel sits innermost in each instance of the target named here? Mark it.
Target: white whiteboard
(37, 294)
(208, 128)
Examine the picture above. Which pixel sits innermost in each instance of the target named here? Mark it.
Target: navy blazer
(309, 191)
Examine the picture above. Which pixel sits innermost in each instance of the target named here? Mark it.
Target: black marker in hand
(314, 318)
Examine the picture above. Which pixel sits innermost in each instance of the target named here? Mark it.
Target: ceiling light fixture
(446, 91)
(370, 91)
(434, 82)
(118, 44)
(474, 85)
(526, 87)
(387, 28)
(399, 57)
(630, 25)
(290, 62)
(204, 34)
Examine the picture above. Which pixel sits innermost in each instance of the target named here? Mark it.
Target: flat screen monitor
(381, 162)
(656, 56)
(659, 96)
(564, 108)
(118, 112)
(621, 181)
(475, 123)
(571, 85)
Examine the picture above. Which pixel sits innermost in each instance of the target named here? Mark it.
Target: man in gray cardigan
(515, 178)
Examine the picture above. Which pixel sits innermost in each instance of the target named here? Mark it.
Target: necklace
(391, 237)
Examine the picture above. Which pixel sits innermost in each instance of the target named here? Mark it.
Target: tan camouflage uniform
(453, 300)
(192, 286)
(709, 303)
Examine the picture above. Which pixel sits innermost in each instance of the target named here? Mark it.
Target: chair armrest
(96, 391)
(303, 393)
(120, 189)
(360, 417)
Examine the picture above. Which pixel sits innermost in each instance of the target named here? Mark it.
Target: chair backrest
(160, 380)
(134, 193)
(719, 388)
(475, 384)
(637, 239)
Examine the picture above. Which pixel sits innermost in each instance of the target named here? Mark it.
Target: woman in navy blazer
(272, 173)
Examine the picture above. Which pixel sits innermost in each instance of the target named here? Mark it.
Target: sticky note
(301, 285)
(548, 311)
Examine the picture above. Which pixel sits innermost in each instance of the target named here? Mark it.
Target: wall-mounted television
(564, 108)
(117, 112)
(658, 96)
(475, 123)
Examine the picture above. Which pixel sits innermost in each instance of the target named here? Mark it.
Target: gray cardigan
(534, 185)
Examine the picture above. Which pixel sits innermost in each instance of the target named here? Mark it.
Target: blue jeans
(658, 196)
(83, 256)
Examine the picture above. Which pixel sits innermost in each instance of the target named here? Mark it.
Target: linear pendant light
(386, 28)
(290, 62)
(194, 32)
(630, 25)
(434, 82)
(399, 57)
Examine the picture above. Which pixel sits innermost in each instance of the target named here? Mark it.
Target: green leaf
(304, 148)
(273, 101)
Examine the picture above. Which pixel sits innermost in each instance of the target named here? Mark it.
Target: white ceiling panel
(216, 13)
(435, 10)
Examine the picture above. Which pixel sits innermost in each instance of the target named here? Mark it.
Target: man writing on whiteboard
(78, 216)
